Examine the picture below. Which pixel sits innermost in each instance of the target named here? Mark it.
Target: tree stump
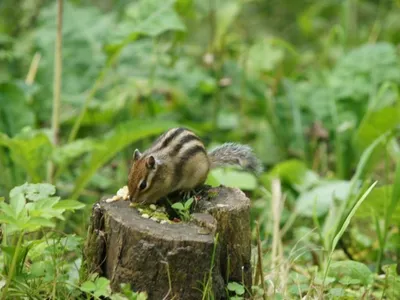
(173, 260)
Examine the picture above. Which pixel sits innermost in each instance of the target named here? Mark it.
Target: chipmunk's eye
(143, 185)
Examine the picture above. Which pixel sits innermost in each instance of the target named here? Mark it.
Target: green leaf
(88, 286)
(7, 219)
(102, 283)
(315, 98)
(374, 124)
(66, 153)
(188, 203)
(259, 51)
(101, 287)
(127, 291)
(365, 159)
(34, 192)
(295, 173)
(125, 134)
(118, 296)
(208, 86)
(38, 269)
(321, 198)
(232, 178)
(14, 109)
(337, 292)
(393, 281)
(346, 280)
(4, 139)
(361, 70)
(7, 209)
(69, 205)
(79, 74)
(153, 17)
(142, 296)
(148, 17)
(178, 206)
(226, 15)
(227, 121)
(43, 204)
(17, 202)
(71, 242)
(236, 287)
(241, 298)
(30, 151)
(377, 202)
(39, 222)
(351, 269)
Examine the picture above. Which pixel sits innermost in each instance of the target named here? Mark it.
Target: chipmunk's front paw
(187, 194)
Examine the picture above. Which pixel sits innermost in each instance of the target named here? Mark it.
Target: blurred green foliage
(312, 86)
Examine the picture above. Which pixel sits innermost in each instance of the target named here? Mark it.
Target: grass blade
(343, 229)
(350, 216)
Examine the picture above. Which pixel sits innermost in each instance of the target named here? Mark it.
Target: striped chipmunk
(178, 161)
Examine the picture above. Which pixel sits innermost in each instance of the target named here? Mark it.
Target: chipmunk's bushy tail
(235, 154)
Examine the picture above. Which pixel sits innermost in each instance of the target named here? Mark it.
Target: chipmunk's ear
(151, 162)
(136, 155)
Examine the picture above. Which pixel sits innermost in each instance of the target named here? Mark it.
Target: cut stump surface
(173, 260)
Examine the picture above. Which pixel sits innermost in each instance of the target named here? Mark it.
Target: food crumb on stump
(158, 213)
(122, 193)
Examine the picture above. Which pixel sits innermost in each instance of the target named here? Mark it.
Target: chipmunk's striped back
(177, 143)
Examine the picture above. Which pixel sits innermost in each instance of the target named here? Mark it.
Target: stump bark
(173, 260)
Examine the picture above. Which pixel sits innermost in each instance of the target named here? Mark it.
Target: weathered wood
(173, 260)
(231, 209)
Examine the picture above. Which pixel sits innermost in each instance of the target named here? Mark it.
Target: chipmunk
(178, 161)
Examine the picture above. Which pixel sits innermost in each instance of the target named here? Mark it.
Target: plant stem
(169, 280)
(12, 267)
(276, 252)
(350, 22)
(243, 94)
(30, 77)
(382, 242)
(216, 65)
(212, 17)
(383, 238)
(259, 267)
(208, 286)
(55, 122)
